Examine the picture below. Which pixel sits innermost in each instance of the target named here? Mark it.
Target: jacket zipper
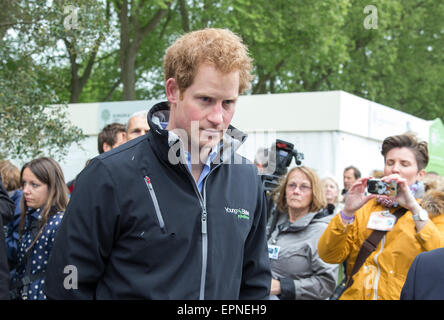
(202, 201)
(378, 274)
(156, 204)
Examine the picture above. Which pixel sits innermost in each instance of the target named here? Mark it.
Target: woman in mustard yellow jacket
(384, 272)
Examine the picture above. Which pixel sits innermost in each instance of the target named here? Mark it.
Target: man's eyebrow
(213, 96)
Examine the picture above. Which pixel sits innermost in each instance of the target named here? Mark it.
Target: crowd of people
(146, 220)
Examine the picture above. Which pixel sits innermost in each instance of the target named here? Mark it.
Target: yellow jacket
(384, 272)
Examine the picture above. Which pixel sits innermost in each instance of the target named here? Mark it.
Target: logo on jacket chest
(240, 213)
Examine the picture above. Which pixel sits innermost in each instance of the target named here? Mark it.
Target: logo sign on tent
(120, 112)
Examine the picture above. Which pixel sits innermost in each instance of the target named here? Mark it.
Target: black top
(137, 227)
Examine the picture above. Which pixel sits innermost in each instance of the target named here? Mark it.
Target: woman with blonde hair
(332, 194)
(45, 198)
(11, 181)
(295, 228)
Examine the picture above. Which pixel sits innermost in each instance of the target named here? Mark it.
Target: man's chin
(209, 143)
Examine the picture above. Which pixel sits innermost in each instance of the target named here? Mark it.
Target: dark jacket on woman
(32, 262)
(6, 210)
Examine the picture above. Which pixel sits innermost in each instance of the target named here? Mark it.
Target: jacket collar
(301, 223)
(170, 147)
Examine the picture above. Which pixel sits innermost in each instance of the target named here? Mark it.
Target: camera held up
(377, 186)
(279, 159)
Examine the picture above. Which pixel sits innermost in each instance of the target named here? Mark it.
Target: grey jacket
(302, 273)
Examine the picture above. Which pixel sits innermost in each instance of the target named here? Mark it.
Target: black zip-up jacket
(137, 227)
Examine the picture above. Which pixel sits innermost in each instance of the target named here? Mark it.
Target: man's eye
(228, 103)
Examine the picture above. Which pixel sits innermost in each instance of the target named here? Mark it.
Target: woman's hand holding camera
(404, 197)
(356, 197)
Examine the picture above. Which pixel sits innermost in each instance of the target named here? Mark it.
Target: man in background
(351, 174)
(111, 136)
(137, 125)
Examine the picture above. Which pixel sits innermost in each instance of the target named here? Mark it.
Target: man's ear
(172, 91)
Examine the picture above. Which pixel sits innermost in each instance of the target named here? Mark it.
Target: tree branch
(113, 88)
(315, 86)
(106, 56)
(260, 86)
(184, 15)
(167, 21)
(72, 57)
(142, 32)
(87, 72)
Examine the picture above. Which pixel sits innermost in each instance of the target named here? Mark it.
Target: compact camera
(377, 186)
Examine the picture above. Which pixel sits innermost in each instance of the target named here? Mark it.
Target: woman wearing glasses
(301, 218)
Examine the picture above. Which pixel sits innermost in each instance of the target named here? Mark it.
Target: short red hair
(218, 47)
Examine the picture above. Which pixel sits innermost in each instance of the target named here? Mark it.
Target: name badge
(273, 251)
(381, 220)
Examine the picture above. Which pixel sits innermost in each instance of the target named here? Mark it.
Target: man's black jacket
(138, 228)
(425, 279)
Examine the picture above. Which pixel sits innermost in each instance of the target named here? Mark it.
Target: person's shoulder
(56, 218)
(123, 151)
(53, 222)
(320, 222)
(115, 160)
(433, 255)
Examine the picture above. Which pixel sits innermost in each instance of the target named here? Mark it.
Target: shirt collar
(210, 158)
(211, 155)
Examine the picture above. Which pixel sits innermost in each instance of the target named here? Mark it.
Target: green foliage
(297, 46)
(29, 126)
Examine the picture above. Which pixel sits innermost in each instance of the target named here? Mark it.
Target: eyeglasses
(303, 188)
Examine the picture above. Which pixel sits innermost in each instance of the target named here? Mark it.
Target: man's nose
(215, 115)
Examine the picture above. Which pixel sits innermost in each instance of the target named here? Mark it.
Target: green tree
(30, 126)
(84, 31)
(138, 19)
(401, 62)
(297, 46)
